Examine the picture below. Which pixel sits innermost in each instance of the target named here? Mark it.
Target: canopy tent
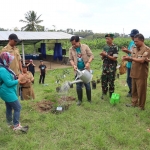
(28, 38)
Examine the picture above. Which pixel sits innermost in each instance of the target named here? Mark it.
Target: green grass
(96, 126)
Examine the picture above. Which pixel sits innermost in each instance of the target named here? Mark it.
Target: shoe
(103, 96)
(141, 108)
(110, 94)
(79, 103)
(21, 128)
(18, 127)
(25, 128)
(10, 124)
(131, 105)
(148, 130)
(129, 95)
(89, 101)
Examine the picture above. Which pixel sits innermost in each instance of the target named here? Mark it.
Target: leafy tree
(2, 29)
(16, 29)
(32, 22)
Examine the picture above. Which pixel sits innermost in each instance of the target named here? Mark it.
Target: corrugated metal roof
(33, 37)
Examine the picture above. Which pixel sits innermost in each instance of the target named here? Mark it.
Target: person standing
(109, 56)
(139, 71)
(8, 91)
(42, 68)
(129, 63)
(16, 64)
(31, 67)
(80, 57)
(26, 84)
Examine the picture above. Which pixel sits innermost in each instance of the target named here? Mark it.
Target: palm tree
(32, 22)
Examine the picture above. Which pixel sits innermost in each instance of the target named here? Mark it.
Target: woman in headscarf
(8, 91)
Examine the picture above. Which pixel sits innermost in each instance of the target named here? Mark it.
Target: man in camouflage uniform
(109, 56)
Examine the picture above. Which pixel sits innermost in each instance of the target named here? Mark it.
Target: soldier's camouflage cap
(109, 35)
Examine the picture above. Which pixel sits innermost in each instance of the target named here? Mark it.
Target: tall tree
(32, 22)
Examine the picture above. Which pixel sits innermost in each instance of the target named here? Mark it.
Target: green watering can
(115, 98)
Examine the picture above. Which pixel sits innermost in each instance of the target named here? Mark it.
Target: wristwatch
(107, 55)
(130, 58)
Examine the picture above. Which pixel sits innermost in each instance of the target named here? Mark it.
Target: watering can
(84, 76)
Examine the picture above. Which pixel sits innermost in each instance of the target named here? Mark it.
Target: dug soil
(66, 98)
(49, 106)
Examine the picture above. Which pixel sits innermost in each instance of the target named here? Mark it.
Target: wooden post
(34, 49)
(23, 56)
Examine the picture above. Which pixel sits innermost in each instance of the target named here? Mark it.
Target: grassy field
(95, 126)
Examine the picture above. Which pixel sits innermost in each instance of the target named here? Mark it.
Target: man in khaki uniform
(80, 57)
(139, 71)
(16, 65)
(26, 85)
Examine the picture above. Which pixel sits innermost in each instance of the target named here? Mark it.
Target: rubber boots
(80, 95)
(88, 94)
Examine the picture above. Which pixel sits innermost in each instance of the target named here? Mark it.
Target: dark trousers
(80, 91)
(32, 73)
(33, 76)
(129, 80)
(108, 78)
(42, 77)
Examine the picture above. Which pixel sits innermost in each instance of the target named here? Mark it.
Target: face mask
(5, 63)
(11, 59)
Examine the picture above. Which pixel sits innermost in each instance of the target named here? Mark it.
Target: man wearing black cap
(109, 57)
(128, 51)
(16, 65)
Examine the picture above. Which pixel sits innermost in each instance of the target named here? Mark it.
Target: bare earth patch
(48, 106)
(66, 98)
(44, 106)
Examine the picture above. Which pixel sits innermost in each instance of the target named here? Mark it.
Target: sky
(100, 16)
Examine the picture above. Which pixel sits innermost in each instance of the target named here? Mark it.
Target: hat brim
(132, 35)
(17, 40)
(109, 35)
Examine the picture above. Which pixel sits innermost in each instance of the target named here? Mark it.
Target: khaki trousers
(139, 89)
(28, 93)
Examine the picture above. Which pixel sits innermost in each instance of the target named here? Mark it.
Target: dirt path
(49, 65)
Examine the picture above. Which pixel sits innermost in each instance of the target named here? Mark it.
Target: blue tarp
(57, 51)
(43, 50)
(39, 50)
(34, 57)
